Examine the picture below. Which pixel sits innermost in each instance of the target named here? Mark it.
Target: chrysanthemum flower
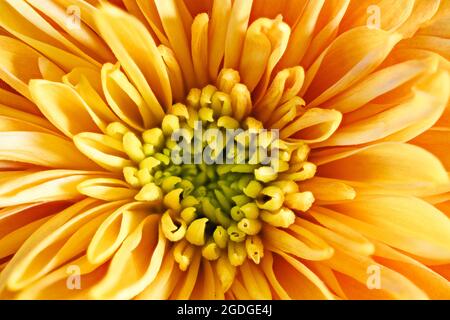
(94, 206)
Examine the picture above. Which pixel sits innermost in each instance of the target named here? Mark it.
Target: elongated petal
(406, 223)
(138, 260)
(351, 57)
(20, 63)
(15, 275)
(217, 33)
(402, 122)
(107, 189)
(294, 279)
(21, 20)
(314, 125)
(114, 230)
(280, 240)
(177, 36)
(393, 284)
(389, 164)
(237, 27)
(42, 149)
(436, 140)
(140, 57)
(434, 285)
(107, 152)
(61, 104)
(125, 100)
(50, 185)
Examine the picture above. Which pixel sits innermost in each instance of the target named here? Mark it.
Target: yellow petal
(434, 285)
(285, 86)
(106, 151)
(11, 242)
(255, 281)
(186, 284)
(170, 15)
(391, 15)
(138, 261)
(237, 27)
(306, 246)
(313, 126)
(264, 45)
(351, 57)
(199, 48)
(21, 20)
(393, 284)
(20, 63)
(338, 234)
(165, 281)
(18, 102)
(32, 259)
(330, 17)
(57, 284)
(379, 83)
(296, 280)
(42, 149)
(220, 15)
(107, 189)
(328, 190)
(125, 100)
(140, 57)
(406, 223)
(302, 34)
(401, 122)
(114, 230)
(61, 105)
(422, 12)
(16, 120)
(207, 286)
(174, 72)
(82, 35)
(394, 165)
(50, 185)
(436, 140)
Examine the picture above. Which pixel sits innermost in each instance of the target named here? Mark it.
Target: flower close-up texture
(353, 94)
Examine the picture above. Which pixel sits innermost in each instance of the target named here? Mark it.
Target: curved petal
(107, 152)
(350, 58)
(138, 261)
(61, 105)
(56, 285)
(50, 185)
(125, 100)
(20, 63)
(437, 141)
(293, 279)
(357, 268)
(303, 244)
(32, 259)
(114, 230)
(434, 285)
(314, 126)
(21, 20)
(107, 189)
(178, 37)
(406, 223)
(391, 165)
(140, 57)
(42, 149)
(327, 190)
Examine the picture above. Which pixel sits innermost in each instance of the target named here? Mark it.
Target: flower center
(216, 179)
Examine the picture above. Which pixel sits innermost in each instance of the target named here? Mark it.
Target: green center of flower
(216, 180)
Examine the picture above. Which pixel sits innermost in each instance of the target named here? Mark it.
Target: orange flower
(352, 94)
